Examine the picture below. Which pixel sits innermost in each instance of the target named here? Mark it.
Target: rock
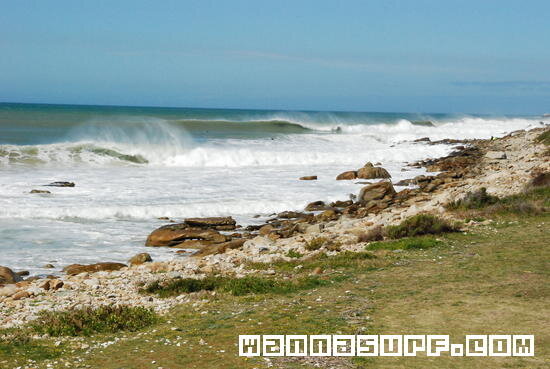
(327, 215)
(75, 269)
(265, 230)
(7, 276)
(45, 285)
(405, 182)
(21, 295)
(341, 204)
(23, 273)
(315, 206)
(56, 284)
(192, 244)
(227, 222)
(61, 184)
(48, 266)
(8, 290)
(425, 123)
(291, 215)
(498, 155)
(351, 174)
(140, 259)
(40, 191)
(423, 139)
(220, 248)
(174, 234)
(317, 270)
(314, 228)
(372, 173)
(376, 191)
(308, 178)
(368, 165)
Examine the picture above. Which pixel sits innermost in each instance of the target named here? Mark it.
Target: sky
(483, 56)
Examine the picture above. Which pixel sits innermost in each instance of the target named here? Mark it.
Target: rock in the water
(376, 191)
(174, 234)
(315, 206)
(40, 191)
(350, 174)
(48, 266)
(23, 273)
(7, 276)
(423, 139)
(498, 155)
(218, 223)
(341, 204)
(372, 173)
(75, 269)
(308, 178)
(61, 184)
(140, 259)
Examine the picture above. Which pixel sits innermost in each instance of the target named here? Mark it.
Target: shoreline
(468, 169)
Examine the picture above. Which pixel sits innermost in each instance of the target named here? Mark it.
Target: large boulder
(140, 259)
(377, 191)
(371, 172)
(174, 234)
(350, 174)
(75, 269)
(8, 276)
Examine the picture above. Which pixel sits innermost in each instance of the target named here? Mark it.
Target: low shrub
(316, 243)
(418, 225)
(84, 322)
(544, 138)
(373, 234)
(235, 286)
(405, 244)
(474, 200)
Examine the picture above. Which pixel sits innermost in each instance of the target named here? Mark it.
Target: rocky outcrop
(8, 276)
(75, 269)
(349, 175)
(217, 223)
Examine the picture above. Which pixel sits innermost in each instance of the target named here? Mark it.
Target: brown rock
(56, 284)
(372, 173)
(192, 244)
(45, 285)
(40, 191)
(7, 276)
(327, 215)
(266, 229)
(174, 234)
(226, 222)
(315, 206)
(376, 191)
(220, 248)
(21, 295)
(140, 259)
(341, 204)
(61, 184)
(75, 269)
(351, 174)
(308, 178)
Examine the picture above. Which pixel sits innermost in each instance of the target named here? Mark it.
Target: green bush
(418, 225)
(235, 286)
(405, 244)
(315, 244)
(544, 138)
(474, 200)
(84, 322)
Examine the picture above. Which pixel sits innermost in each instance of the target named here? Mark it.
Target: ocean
(134, 165)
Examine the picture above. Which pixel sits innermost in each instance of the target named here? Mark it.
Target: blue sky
(416, 56)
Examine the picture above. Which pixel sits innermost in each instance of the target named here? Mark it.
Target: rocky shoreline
(503, 166)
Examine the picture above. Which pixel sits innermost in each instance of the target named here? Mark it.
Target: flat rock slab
(497, 155)
(210, 222)
(75, 269)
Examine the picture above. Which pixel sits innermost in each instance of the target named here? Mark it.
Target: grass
(234, 286)
(85, 322)
(418, 225)
(544, 138)
(492, 280)
(405, 244)
(294, 254)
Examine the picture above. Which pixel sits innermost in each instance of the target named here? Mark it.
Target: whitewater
(133, 166)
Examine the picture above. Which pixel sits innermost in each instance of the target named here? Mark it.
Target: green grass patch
(234, 286)
(544, 138)
(405, 244)
(85, 322)
(17, 343)
(418, 225)
(294, 254)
